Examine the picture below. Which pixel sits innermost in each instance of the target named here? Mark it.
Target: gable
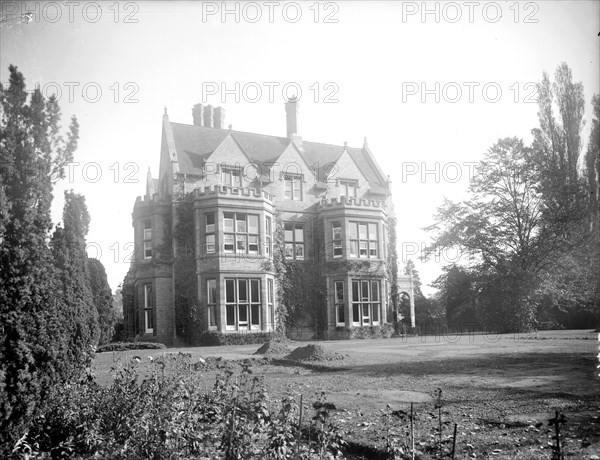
(346, 168)
(229, 153)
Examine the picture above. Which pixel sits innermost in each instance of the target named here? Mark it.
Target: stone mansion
(243, 189)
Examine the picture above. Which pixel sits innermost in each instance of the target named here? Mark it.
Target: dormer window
(293, 187)
(348, 188)
(231, 177)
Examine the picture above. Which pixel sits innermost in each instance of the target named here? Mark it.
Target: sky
(431, 85)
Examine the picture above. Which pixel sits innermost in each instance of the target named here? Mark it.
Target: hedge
(122, 346)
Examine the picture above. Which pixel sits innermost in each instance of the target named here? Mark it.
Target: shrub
(173, 413)
(122, 346)
(384, 331)
(223, 338)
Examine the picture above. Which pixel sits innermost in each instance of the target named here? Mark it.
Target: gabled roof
(195, 144)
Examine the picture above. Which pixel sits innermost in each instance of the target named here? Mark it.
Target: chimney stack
(291, 114)
(208, 116)
(219, 117)
(198, 115)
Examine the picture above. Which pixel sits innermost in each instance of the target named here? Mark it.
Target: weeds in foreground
(161, 409)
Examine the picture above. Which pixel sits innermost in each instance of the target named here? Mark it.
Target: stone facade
(242, 188)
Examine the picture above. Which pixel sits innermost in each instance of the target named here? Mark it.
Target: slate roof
(195, 144)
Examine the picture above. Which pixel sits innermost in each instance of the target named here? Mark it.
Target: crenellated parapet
(234, 192)
(344, 201)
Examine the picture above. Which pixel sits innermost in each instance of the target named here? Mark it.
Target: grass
(500, 389)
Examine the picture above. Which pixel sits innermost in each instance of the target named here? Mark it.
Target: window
(209, 220)
(366, 302)
(340, 308)
(147, 239)
(348, 188)
(211, 301)
(240, 233)
(363, 239)
(337, 239)
(268, 235)
(242, 303)
(231, 177)
(293, 187)
(294, 241)
(270, 297)
(148, 309)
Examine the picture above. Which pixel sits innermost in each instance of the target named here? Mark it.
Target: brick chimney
(219, 117)
(198, 115)
(208, 116)
(291, 115)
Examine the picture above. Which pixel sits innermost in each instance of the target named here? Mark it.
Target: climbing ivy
(189, 314)
(392, 271)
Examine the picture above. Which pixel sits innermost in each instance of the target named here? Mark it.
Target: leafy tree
(457, 295)
(78, 312)
(570, 200)
(501, 226)
(33, 153)
(102, 299)
(592, 166)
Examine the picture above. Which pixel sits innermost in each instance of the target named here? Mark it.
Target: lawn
(500, 390)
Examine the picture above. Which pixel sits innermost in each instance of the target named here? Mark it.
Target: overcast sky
(431, 85)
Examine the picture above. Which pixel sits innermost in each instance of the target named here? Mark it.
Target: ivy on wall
(392, 271)
(189, 314)
(302, 288)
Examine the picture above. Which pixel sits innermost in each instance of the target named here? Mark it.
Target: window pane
(353, 231)
(210, 222)
(211, 288)
(375, 291)
(339, 291)
(270, 291)
(355, 295)
(268, 225)
(363, 248)
(354, 248)
(341, 313)
(241, 243)
(211, 316)
(351, 190)
(356, 312)
(289, 233)
(337, 249)
(373, 248)
(236, 178)
(255, 315)
(252, 224)
(289, 250)
(230, 291)
(242, 290)
(299, 251)
(372, 231)
(230, 315)
(362, 231)
(210, 244)
(337, 232)
(365, 291)
(253, 243)
(228, 222)
(299, 233)
(228, 243)
(375, 312)
(288, 189)
(254, 291)
(365, 310)
(243, 314)
(240, 223)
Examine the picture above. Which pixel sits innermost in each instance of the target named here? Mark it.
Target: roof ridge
(231, 130)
